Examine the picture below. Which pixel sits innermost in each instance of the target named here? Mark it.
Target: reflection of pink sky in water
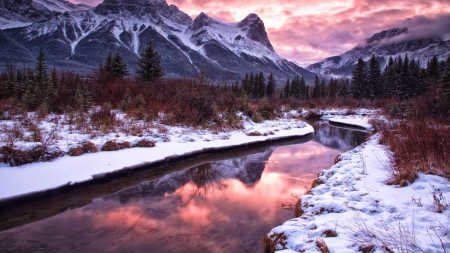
(229, 218)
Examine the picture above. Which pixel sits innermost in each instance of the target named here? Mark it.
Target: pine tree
(303, 89)
(260, 85)
(119, 67)
(445, 81)
(10, 85)
(41, 68)
(295, 88)
(333, 88)
(316, 87)
(149, 65)
(374, 80)
(287, 89)
(359, 80)
(271, 85)
(108, 64)
(433, 71)
(389, 79)
(84, 98)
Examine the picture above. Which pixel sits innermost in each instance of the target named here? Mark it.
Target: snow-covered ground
(353, 210)
(171, 141)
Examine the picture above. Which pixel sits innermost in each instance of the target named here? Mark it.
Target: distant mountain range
(77, 37)
(390, 43)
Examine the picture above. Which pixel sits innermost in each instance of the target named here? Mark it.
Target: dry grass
(418, 146)
(320, 243)
(270, 242)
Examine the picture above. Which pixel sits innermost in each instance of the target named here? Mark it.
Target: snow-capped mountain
(80, 39)
(393, 42)
(16, 13)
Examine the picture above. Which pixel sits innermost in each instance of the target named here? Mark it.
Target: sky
(308, 31)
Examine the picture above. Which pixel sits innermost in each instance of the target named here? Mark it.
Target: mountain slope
(393, 42)
(79, 40)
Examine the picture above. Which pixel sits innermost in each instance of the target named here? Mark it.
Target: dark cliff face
(24, 10)
(256, 30)
(387, 34)
(143, 9)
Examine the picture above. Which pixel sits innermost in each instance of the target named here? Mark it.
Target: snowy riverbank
(353, 210)
(175, 142)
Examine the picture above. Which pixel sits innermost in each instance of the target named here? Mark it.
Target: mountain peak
(387, 34)
(255, 29)
(202, 20)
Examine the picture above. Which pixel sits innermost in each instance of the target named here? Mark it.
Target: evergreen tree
(359, 80)
(316, 88)
(389, 79)
(246, 87)
(149, 64)
(303, 89)
(260, 85)
(10, 85)
(333, 88)
(374, 80)
(271, 85)
(295, 88)
(41, 69)
(433, 71)
(445, 81)
(287, 89)
(119, 68)
(84, 98)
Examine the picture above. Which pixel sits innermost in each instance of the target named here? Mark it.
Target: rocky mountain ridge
(389, 43)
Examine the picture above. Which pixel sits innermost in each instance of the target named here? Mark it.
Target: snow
(354, 120)
(173, 142)
(355, 201)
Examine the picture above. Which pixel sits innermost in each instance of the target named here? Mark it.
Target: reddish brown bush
(144, 143)
(124, 145)
(89, 147)
(76, 151)
(418, 146)
(110, 146)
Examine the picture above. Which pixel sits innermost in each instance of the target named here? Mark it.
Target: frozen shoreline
(353, 200)
(43, 176)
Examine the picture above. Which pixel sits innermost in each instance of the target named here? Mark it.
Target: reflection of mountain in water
(338, 138)
(208, 176)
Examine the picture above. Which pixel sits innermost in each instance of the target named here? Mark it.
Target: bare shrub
(418, 146)
(124, 145)
(270, 242)
(89, 147)
(76, 151)
(320, 243)
(110, 146)
(144, 143)
(400, 237)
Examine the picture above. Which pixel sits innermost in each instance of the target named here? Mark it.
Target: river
(215, 203)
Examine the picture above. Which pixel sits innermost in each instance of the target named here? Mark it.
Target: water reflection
(221, 206)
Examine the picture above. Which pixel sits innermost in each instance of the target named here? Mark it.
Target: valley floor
(352, 209)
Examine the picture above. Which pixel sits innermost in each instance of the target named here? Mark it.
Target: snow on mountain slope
(62, 5)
